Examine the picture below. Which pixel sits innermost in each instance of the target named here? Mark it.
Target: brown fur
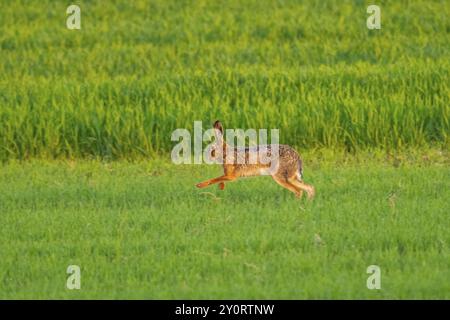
(287, 175)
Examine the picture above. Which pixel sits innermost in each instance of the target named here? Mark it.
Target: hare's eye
(213, 153)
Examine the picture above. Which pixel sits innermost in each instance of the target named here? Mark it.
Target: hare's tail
(299, 173)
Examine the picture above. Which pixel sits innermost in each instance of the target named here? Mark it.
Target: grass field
(142, 230)
(86, 118)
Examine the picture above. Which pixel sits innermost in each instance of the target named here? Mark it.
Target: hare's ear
(217, 125)
(218, 130)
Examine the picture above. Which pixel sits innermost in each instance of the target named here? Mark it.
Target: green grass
(363, 105)
(142, 230)
(137, 70)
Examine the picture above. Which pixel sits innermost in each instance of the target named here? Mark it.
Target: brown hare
(288, 172)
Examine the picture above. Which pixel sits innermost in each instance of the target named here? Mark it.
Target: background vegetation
(137, 70)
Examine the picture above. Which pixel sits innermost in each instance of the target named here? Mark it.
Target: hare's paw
(202, 184)
(311, 193)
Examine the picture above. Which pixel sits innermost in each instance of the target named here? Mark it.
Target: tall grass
(137, 70)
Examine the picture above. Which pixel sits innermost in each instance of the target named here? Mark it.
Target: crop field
(86, 177)
(137, 70)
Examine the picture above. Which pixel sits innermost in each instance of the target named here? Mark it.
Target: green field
(142, 230)
(137, 70)
(86, 118)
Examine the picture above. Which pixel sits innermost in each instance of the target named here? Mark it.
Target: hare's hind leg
(304, 187)
(282, 181)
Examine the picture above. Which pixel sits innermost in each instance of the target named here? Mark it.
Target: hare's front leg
(220, 179)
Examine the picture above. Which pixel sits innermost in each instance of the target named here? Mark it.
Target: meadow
(142, 230)
(86, 118)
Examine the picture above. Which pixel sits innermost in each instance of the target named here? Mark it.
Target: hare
(288, 172)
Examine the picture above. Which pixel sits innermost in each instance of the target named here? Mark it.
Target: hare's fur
(287, 174)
